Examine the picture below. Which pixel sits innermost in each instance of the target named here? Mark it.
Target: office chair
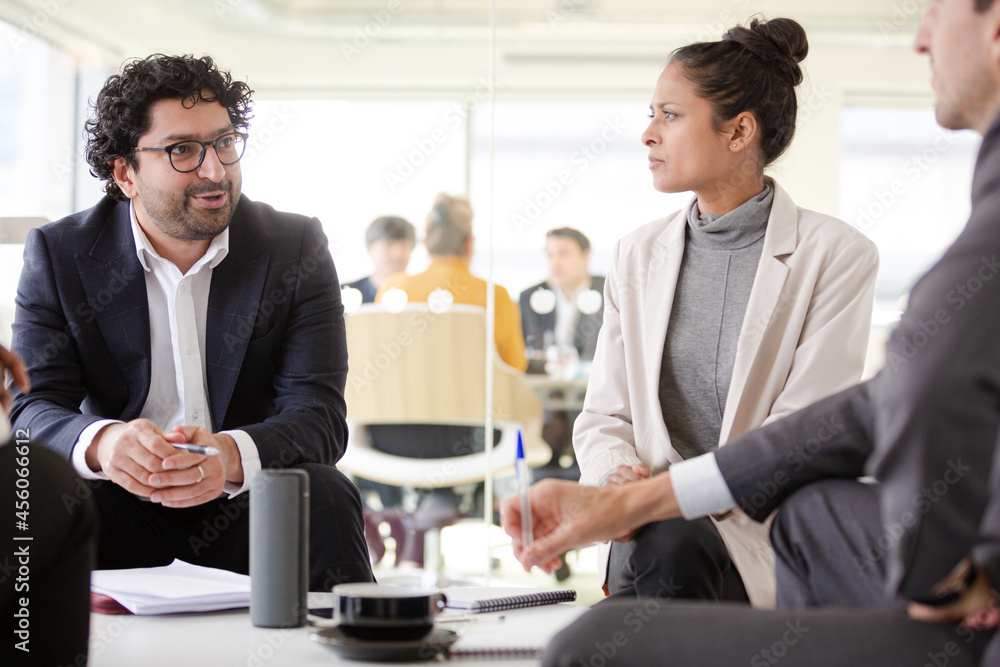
(418, 367)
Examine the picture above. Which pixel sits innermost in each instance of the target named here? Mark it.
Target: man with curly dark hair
(179, 312)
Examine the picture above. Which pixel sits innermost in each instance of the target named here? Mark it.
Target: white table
(228, 639)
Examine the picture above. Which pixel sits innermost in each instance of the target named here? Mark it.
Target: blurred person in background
(450, 244)
(565, 310)
(390, 241)
(567, 321)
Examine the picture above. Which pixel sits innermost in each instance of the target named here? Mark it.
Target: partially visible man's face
(959, 41)
(194, 206)
(567, 262)
(390, 255)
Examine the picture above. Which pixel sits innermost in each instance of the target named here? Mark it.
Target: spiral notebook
(481, 599)
(523, 635)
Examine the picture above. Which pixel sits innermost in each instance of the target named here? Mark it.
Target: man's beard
(175, 215)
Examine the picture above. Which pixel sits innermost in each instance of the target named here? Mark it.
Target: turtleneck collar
(741, 227)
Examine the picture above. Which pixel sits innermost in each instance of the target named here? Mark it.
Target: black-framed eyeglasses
(186, 156)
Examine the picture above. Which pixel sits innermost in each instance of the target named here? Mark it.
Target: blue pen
(523, 483)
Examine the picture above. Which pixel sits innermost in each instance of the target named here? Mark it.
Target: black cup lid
(374, 605)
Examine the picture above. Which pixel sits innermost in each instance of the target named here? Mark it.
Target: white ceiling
(321, 46)
(114, 25)
(438, 12)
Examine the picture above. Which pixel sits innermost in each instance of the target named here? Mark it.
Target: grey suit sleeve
(830, 438)
(938, 407)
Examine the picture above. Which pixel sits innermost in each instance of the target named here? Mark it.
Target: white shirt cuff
(250, 458)
(79, 455)
(699, 487)
(4, 428)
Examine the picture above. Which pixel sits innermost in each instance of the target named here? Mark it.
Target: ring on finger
(201, 471)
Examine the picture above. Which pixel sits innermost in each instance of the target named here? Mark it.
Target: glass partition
(371, 108)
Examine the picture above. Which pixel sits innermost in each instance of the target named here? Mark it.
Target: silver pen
(196, 449)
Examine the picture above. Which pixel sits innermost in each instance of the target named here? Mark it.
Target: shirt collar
(449, 260)
(561, 296)
(216, 252)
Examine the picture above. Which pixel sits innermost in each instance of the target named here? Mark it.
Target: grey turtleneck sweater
(721, 254)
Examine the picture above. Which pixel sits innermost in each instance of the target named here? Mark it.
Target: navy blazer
(534, 325)
(275, 348)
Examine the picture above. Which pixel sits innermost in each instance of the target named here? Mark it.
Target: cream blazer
(804, 336)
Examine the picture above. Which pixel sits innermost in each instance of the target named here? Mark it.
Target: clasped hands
(140, 457)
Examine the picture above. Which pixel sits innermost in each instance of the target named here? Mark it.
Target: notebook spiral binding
(492, 653)
(521, 601)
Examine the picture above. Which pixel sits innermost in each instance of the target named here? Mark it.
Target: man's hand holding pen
(214, 469)
(144, 460)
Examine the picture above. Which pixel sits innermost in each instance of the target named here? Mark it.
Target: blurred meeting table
(559, 393)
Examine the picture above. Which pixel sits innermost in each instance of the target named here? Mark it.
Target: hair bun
(779, 42)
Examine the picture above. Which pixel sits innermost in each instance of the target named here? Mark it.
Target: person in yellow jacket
(450, 243)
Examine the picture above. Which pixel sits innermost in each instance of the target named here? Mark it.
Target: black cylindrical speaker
(279, 548)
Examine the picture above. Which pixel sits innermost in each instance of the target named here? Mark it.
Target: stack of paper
(178, 587)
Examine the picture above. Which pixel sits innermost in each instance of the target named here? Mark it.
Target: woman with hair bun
(724, 316)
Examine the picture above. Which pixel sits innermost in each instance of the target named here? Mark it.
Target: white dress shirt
(4, 428)
(178, 391)
(699, 487)
(567, 314)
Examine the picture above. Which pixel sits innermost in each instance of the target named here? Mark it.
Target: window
(562, 164)
(43, 94)
(905, 182)
(350, 162)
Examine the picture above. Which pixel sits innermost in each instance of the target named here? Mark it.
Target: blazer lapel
(233, 302)
(766, 300)
(664, 268)
(547, 322)
(661, 283)
(115, 286)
